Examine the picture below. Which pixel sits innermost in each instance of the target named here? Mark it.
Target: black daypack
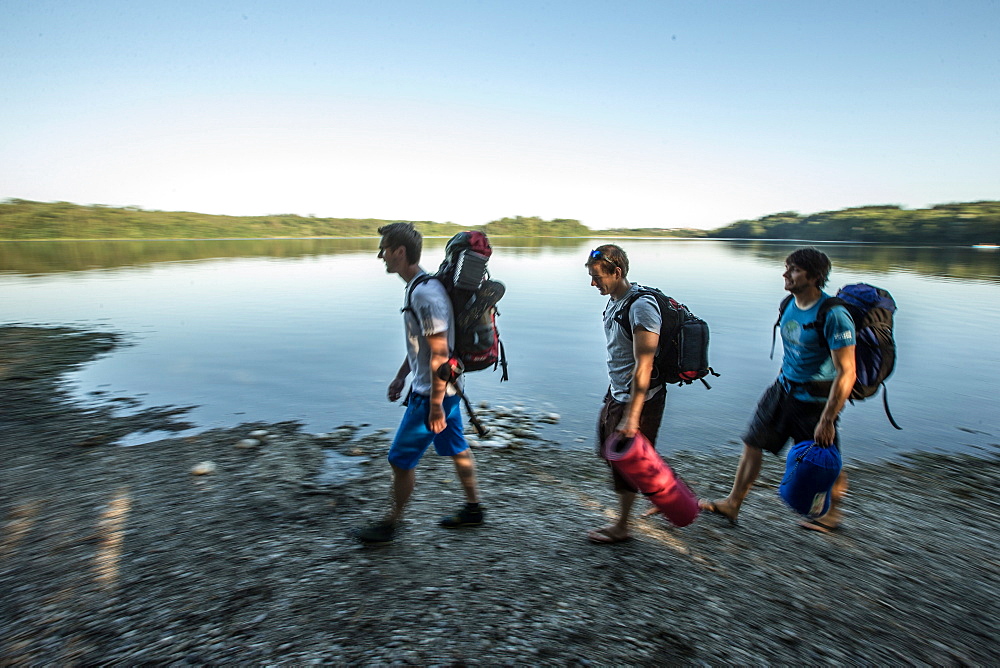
(473, 299)
(682, 352)
(872, 310)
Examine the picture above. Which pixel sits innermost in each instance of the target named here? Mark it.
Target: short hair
(402, 234)
(607, 258)
(815, 263)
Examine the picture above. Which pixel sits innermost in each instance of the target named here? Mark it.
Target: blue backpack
(872, 310)
(810, 472)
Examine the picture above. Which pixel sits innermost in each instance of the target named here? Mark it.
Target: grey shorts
(780, 418)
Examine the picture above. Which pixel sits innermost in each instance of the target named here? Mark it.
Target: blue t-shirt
(807, 351)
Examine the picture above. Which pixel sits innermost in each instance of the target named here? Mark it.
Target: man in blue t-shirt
(816, 379)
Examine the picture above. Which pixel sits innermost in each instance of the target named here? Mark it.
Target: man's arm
(843, 383)
(439, 355)
(644, 345)
(397, 383)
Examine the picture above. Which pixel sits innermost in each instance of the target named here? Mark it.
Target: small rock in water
(258, 433)
(484, 404)
(550, 418)
(204, 468)
(248, 443)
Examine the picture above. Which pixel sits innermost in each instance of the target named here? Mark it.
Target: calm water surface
(310, 330)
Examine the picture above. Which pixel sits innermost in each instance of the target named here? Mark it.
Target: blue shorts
(414, 436)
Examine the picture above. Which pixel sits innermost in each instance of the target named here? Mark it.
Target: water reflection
(956, 262)
(48, 257)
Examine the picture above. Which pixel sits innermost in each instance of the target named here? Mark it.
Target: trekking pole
(449, 372)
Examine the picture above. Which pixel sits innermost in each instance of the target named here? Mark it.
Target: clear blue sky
(617, 113)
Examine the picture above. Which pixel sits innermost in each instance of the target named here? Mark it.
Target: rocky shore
(233, 546)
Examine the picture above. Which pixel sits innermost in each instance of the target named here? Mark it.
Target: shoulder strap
(820, 321)
(781, 311)
(622, 316)
(827, 304)
(419, 280)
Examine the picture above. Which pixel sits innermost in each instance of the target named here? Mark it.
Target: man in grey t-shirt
(630, 404)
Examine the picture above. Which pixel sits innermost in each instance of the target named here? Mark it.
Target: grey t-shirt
(621, 360)
(430, 314)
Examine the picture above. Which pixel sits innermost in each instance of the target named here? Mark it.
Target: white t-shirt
(429, 313)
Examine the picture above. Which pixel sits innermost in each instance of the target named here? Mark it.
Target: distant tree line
(23, 219)
(533, 226)
(961, 223)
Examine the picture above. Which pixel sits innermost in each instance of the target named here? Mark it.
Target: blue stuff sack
(810, 472)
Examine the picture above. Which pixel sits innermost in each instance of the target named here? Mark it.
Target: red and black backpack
(474, 296)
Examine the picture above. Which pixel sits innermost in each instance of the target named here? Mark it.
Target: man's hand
(628, 427)
(824, 432)
(436, 419)
(396, 388)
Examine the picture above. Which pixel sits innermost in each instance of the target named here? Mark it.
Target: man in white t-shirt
(433, 413)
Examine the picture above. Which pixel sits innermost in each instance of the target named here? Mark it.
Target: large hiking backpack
(473, 298)
(872, 310)
(682, 353)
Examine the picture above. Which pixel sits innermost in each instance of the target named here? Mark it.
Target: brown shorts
(649, 424)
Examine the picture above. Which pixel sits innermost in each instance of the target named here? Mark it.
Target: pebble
(204, 468)
(247, 443)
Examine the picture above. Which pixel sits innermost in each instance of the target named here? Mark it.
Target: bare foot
(720, 507)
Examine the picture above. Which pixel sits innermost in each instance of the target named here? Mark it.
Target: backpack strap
(781, 311)
(818, 323)
(824, 308)
(503, 361)
(622, 316)
(419, 280)
(885, 405)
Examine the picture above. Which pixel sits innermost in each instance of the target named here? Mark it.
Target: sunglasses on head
(598, 254)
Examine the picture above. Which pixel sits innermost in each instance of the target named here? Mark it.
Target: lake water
(310, 330)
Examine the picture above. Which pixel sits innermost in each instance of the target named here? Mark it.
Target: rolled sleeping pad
(639, 463)
(810, 472)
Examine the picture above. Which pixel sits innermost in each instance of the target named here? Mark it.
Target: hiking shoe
(377, 534)
(468, 516)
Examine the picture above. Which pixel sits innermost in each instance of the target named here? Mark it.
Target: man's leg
(403, 481)
(412, 438)
(465, 469)
(625, 502)
(471, 514)
(746, 474)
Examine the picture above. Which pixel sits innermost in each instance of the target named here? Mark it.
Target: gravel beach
(234, 546)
